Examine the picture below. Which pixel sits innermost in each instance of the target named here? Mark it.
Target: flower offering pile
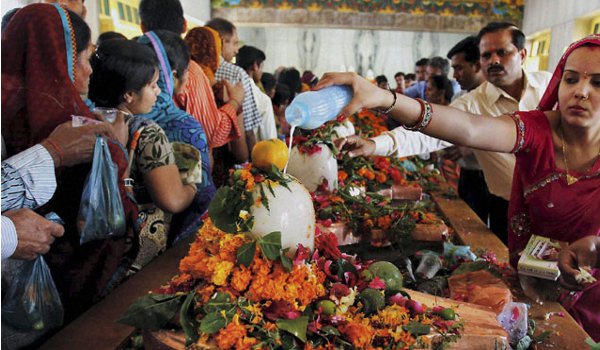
(241, 290)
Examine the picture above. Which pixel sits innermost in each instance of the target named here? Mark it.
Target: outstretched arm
(447, 123)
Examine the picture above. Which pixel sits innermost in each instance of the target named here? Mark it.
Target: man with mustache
(508, 88)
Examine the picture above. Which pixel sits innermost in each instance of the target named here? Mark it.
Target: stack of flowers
(317, 300)
(368, 124)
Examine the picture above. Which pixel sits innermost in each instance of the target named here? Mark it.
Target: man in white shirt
(252, 60)
(508, 88)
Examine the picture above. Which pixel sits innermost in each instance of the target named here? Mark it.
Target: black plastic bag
(32, 302)
(101, 213)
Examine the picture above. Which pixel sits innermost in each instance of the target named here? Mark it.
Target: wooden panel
(97, 328)
(470, 230)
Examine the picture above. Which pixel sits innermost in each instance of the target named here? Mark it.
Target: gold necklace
(570, 178)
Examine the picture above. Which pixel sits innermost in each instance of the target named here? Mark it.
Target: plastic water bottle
(311, 109)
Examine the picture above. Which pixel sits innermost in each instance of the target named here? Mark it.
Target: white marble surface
(322, 50)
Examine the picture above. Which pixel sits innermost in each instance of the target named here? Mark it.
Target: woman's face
(83, 70)
(579, 90)
(179, 84)
(142, 101)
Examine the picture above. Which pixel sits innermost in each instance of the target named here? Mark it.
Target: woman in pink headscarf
(556, 186)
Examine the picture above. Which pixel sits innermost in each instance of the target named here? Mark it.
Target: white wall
(322, 50)
(561, 17)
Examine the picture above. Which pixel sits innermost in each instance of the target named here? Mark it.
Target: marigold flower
(342, 175)
(359, 334)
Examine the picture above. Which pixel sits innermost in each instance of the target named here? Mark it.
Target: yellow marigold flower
(392, 316)
(222, 271)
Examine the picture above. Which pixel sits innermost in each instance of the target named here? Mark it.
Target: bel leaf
(245, 253)
(212, 323)
(416, 328)
(220, 301)
(187, 320)
(270, 245)
(297, 327)
(151, 314)
(220, 212)
(286, 261)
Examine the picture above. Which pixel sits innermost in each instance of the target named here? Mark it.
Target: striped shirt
(197, 99)
(233, 74)
(28, 181)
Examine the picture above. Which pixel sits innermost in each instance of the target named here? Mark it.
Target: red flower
(377, 283)
(281, 309)
(327, 243)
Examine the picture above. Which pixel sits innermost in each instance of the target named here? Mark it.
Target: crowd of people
(177, 90)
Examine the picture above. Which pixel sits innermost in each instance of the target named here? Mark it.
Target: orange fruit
(270, 152)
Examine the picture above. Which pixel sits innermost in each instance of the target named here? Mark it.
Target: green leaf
(594, 346)
(213, 322)
(270, 245)
(523, 344)
(416, 328)
(263, 198)
(296, 327)
(220, 211)
(219, 301)
(245, 253)
(286, 261)
(329, 330)
(151, 314)
(187, 319)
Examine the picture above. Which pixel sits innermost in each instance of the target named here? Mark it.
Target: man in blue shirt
(436, 66)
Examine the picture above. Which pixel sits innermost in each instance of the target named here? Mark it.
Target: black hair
(440, 63)
(442, 82)
(248, 55)
(469, 46)
(83, 34)
(109, 36)
(176, 50)
(410, 76)
(399, 74)
(518, 38)
(291, 78)
(268, 81)
(162, 15)
(381, 79)
(422, 62)
(221, 25)
(8, 16)
(282, 94)
(120, 66)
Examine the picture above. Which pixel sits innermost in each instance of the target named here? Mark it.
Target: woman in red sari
(45, 69)
(556, 186)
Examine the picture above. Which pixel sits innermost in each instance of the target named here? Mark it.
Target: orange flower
(359, 334)
(233, 335)
(342, 175)
(241, 278)
(381, 177)
(384, 222)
